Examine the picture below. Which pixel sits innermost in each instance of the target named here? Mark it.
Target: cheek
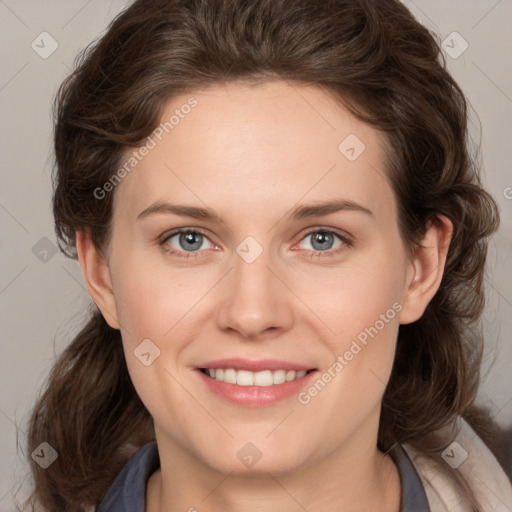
(357, 311)
(363, 321)
(152, 302)
(362, 292)
(157, 305)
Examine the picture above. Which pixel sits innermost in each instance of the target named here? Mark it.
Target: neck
(350, 479)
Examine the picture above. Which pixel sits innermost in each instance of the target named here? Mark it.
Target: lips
(260, 392)
(247, 378)
(254, 366)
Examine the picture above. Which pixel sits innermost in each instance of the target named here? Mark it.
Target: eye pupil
(189, 239)
(322, 237)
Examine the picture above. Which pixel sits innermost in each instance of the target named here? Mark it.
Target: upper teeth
(246, 378)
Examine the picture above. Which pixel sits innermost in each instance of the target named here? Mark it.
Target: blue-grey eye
(188, 241)
(321, 240)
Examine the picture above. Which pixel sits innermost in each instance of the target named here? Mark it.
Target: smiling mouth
(263, 378)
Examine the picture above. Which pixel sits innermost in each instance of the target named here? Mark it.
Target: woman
(205, 151)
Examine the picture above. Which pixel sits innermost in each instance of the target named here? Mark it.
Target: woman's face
(275, 284)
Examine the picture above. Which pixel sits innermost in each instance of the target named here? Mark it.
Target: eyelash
(347, 243)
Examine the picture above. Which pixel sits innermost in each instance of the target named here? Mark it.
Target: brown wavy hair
(388, 70)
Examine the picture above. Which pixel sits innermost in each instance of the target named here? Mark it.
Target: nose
(255, 302)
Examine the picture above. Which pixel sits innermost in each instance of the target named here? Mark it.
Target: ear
(97, 276)
(426, 269)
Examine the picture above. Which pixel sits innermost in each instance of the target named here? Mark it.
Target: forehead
(259, 146)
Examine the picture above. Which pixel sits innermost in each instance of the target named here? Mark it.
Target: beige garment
(477, 464)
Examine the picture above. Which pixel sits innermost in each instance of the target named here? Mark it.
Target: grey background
(42, 295)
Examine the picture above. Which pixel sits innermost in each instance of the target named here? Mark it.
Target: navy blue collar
(128, 492)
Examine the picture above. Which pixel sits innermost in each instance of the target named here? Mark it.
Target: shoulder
(466, 453)
(127, 493)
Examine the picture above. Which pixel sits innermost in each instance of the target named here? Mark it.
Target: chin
(249, 460)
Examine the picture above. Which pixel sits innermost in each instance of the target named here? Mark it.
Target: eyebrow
(301, 212)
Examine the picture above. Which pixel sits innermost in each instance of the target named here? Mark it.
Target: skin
(253, 153)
